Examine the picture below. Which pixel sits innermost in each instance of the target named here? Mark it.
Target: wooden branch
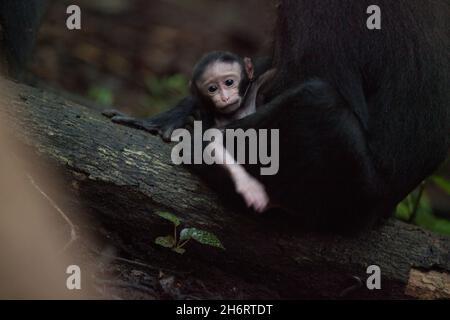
(122, 176)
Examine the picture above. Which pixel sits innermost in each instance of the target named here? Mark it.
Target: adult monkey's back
(357, 152)
(363, 114)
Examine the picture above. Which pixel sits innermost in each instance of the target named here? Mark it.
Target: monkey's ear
(249, 68)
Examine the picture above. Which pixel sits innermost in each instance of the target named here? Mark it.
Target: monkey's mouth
(231, 107)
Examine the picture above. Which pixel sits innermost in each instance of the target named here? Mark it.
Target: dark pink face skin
(220, 82)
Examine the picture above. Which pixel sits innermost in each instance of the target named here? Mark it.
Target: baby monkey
(227, 89)
(224, 89)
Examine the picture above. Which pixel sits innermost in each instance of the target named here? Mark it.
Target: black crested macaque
(244, 89)
(224, 89)
(227, 90)
(364, 115)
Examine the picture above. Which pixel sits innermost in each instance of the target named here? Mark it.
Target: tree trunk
(121, 177)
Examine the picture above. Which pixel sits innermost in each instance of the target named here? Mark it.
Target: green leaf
(103, 96)
(177, 82)
(443, 183)
(179, 250)
(166, 242)
(428, 220)
(201, 236)
(170, 217)
(403, 212)
(186, 234)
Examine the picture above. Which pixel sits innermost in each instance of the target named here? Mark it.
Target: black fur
(364, 115)
(194, 107)
(355, 159)
(205, 105)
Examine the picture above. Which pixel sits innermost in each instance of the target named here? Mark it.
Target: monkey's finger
(263, 201)
(128, 121)
(258, 208)
(151, 128)
(190, 121)
(197, 114)
(254, 205)
(121, 119)
(254, 201)
(112, 113)
(167, 133)
(190, 127)
(264, 205)
(248, 200)
(259, 204)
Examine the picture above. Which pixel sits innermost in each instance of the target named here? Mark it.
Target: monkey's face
(220, 84)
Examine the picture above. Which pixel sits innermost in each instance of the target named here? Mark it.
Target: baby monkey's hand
(253, 191)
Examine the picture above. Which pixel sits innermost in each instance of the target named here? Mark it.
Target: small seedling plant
(177, 242)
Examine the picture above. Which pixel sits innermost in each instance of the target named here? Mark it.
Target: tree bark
(121, 177)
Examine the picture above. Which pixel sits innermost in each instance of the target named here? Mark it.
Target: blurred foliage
(166, 91)
(442, 183)
(161, 94)
(416, 208)
(102, 95)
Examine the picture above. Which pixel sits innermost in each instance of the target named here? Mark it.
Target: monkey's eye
(229, 83)
(212, 89)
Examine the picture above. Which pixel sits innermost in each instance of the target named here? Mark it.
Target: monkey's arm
(312, 93)
(262, 65)
(251, 190)
(163, 124)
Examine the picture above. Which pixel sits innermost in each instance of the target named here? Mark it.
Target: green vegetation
(416, 207)
(177, 243)
(165, 92)
(162, 93)
(101, 95)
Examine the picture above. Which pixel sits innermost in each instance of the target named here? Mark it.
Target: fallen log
(121, 177)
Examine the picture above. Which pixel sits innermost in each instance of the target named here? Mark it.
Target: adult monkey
(363, 114)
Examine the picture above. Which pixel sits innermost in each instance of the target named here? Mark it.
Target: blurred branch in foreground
(33, 253)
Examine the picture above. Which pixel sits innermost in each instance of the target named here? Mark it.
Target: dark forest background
(137, 56)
